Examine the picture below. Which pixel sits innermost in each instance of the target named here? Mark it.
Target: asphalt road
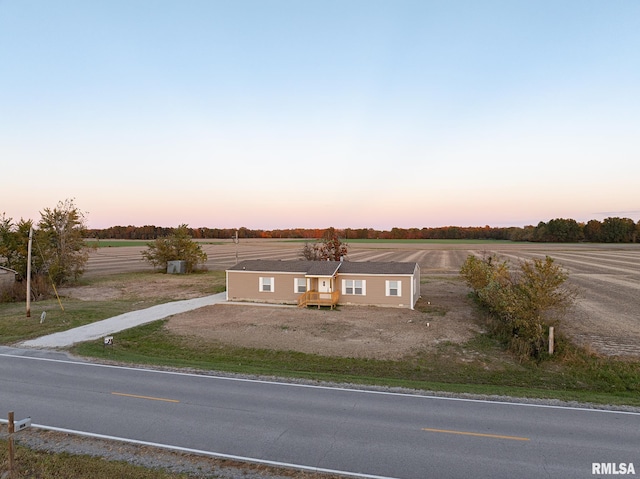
(363, 433)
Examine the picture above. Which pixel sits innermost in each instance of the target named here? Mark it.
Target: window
(394, 288)
(267, 285)
(354, 286)
(299, 285)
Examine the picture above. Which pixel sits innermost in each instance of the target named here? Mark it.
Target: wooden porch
(315, 298)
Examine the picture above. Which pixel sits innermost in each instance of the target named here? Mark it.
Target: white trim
(271, 283)
(387, 286)
(295, 285)
(364, 287)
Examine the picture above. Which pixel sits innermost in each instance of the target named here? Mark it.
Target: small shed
(176, 267)
(7, 277)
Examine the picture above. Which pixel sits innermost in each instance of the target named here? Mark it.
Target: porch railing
(316, 298)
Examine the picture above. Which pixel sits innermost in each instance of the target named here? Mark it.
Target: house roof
(377, 267)
(325, 268)
(4, 269)
(299, 266)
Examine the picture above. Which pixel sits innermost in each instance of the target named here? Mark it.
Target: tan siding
(245, 286)
(376, 291)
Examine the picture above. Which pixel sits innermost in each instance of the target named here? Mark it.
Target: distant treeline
(560, 230)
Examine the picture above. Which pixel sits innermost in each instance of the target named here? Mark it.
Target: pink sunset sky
(356, 114)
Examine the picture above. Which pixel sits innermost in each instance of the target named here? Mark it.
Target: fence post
(551, 345)
(10, 441)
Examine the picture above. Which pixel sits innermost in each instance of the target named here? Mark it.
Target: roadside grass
(15, 326)
(35, 463)
(480, 366)
(31, 463)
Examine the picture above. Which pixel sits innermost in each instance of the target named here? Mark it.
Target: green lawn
(70, 313)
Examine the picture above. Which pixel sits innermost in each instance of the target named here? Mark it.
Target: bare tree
(330, 248)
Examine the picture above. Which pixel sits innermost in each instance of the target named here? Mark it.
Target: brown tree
(330, 248)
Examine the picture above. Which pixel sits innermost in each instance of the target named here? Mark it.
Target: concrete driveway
(99, 329)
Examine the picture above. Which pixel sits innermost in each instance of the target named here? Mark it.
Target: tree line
(559, 230)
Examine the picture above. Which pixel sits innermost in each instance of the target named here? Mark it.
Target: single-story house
(318, 283)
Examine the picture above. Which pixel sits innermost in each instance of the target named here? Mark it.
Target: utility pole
(236, 241)
(29, 273)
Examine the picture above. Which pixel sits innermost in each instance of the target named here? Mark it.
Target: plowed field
(606, 315)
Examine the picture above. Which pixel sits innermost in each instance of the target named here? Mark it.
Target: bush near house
(524, 304)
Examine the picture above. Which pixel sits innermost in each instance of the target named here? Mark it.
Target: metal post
(236, 242)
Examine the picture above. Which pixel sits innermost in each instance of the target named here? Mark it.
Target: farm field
(607, 277)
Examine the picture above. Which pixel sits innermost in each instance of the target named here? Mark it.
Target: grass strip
(488, 370)
(29, 463)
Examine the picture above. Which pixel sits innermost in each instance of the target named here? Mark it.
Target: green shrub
(523, 304)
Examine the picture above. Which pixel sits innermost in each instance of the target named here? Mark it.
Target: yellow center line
(145, 397)
(477, 434)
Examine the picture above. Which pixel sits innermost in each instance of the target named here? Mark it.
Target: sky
(272, 114)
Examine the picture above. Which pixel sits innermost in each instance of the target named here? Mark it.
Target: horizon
(354, 114)
(343, 228)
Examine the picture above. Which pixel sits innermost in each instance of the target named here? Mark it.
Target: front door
(324, 285)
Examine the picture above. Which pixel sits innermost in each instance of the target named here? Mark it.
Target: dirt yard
(443, 314)
(350, 331)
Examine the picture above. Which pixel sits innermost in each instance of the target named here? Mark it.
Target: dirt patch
(174, 287)
(349, 331)
(444, 314)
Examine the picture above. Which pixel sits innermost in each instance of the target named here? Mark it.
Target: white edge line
(200, 452)
(330, 388)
